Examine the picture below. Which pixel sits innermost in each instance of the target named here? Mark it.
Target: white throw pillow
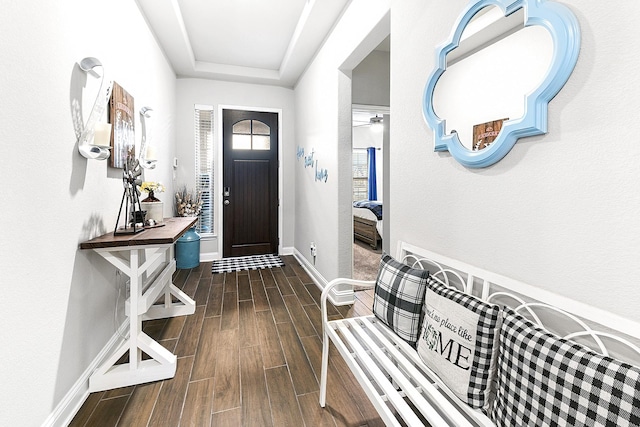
(459, 342)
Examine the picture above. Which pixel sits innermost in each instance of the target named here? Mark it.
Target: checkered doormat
(254, 262)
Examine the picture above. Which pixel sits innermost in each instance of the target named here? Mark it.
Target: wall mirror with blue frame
(502, 64)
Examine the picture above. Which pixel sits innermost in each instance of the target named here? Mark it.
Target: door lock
(226, 202)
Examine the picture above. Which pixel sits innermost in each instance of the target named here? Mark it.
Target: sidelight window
(204, 165)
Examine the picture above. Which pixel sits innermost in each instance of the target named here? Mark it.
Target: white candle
(102, 134)
(151, 153)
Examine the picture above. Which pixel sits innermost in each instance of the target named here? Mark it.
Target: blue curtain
(372, 192)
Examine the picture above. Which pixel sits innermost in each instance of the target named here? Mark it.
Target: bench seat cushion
(399, 296)
(544, 380)
(459, 342)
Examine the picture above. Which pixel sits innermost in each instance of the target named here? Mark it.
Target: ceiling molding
(165, 20)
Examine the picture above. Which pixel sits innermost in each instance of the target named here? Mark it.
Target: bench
(405, 391)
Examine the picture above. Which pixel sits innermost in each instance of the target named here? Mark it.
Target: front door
(250, 183)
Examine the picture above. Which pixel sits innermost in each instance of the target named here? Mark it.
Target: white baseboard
(209, 256)
(71, 403)
(337, 297)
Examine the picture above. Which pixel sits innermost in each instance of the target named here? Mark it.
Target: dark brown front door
(250, 183)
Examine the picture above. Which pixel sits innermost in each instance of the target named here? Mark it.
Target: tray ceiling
(255, 41)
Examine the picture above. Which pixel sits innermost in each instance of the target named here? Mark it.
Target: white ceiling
(256, 41)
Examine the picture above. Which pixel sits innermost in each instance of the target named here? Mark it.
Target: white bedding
(367, 214)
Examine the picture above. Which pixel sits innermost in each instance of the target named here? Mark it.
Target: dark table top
(169, 233)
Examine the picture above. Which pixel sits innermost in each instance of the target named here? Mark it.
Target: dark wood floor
(249, 356)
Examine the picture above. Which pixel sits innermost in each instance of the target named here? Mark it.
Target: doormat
(253, 262)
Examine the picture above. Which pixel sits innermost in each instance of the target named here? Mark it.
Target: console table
(151, 297)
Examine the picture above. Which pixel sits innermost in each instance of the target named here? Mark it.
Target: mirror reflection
(497, 63)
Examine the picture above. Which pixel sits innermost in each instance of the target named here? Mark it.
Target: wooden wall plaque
(485, 133)
(122, 126)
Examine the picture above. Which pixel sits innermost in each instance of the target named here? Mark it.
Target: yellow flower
(149, 186)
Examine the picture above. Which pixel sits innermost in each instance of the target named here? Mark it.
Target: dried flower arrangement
(188, 203)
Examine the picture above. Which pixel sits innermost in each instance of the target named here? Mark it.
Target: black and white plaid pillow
(398, 297)
(459, 342)
(544, 380)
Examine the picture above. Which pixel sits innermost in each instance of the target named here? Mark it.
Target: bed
(367, 222)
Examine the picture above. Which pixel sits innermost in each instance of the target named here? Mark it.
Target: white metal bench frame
(391, 372)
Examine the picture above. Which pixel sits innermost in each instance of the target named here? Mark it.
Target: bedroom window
(360, 174)
(204, 165)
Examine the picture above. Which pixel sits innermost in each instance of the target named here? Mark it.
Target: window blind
(204, 165)
(360, 175)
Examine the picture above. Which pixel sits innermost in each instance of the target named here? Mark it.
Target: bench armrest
(362, 284)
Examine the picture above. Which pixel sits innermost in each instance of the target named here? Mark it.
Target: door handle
(226, 202)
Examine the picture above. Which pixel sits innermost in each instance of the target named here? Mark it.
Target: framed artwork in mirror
(485, 133)
(122, 126)
(503, 29)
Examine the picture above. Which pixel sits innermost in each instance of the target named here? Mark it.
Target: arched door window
(251, 135)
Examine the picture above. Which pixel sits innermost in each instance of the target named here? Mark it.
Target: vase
(154, 210)
(151, 197)
(188, 250)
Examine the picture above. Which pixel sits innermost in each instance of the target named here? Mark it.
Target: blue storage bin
(188, 250)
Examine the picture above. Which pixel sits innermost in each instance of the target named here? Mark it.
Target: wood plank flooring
(249, 356)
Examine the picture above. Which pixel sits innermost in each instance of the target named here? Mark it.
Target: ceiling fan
(374, 122)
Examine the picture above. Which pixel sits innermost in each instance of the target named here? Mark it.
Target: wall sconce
(93, 129)
(148, 157)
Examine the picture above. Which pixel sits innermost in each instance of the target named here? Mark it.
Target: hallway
(250, 356)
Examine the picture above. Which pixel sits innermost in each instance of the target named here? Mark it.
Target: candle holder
(94, 130)
(147, 153)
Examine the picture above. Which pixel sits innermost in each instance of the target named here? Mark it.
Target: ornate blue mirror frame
(565, 33)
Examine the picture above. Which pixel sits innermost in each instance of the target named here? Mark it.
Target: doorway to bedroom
(368, 198)
(370, 97)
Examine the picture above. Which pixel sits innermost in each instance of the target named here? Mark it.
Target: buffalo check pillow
(544, 380)
(459, 342)
(398, 297)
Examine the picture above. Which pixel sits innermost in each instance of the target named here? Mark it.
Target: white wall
(323, 125)
(560, 211)
(242, 96)
(59, 300)
(371, 79)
